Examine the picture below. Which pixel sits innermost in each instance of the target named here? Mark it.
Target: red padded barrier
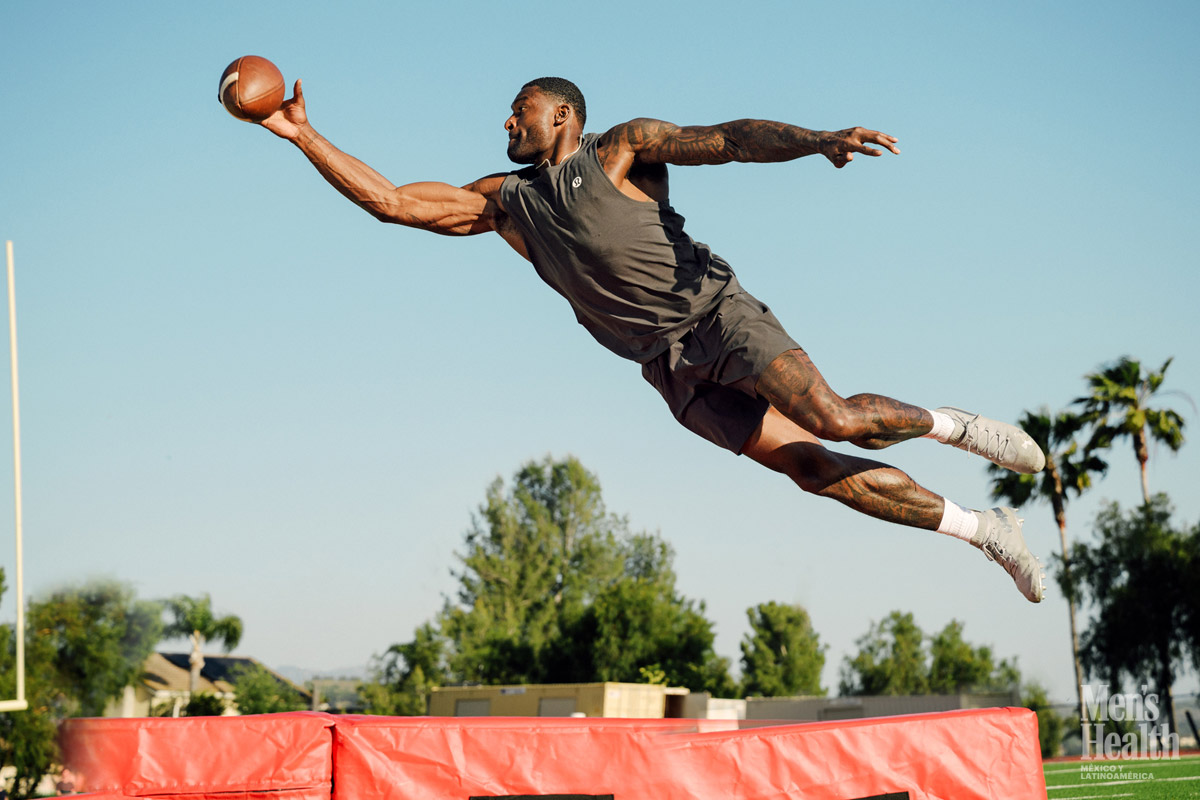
(281, 756)
(987, 753)
(427, 757)
(958, 755)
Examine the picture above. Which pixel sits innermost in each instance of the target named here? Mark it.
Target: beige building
(624, 700)
(646, 701)
(162, 689)
(821, 709)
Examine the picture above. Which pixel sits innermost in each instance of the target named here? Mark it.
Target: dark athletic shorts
(708, 376)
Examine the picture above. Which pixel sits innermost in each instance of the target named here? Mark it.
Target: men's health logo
(1126, 725)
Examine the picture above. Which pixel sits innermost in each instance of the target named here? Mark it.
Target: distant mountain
(301, 675)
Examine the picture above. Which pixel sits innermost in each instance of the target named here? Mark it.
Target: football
(252, 88)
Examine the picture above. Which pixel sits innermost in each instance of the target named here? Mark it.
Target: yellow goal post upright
(18, 703)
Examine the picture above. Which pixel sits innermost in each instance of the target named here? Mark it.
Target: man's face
(530, 126)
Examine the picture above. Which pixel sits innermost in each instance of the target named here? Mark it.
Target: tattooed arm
(650, 141)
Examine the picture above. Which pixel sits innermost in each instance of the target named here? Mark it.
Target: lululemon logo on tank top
(575, 183)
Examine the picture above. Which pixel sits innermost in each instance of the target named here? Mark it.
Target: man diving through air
(591, 212)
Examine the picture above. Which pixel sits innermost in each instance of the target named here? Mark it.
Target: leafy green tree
(83, 645)
(1050, 724)
(536, 555)
(891, 660)
(1069, 471)
(1118, 405)
(896, 658)
(553, 589)
(781, 655)
(956, 666)
(402, 677)
(29, 739)
(204, 704)
(101, 635)
(1139, 577)
(257, 691)
(640, 622)
(713, 676)
(192, 618)
(377, 697)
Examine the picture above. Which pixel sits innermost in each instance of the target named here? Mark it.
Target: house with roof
(162, 688)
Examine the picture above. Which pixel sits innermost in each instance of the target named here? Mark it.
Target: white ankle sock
(943, 427)
(959, 522)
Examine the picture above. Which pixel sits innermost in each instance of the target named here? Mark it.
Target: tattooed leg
(794, 386)
(867, 486)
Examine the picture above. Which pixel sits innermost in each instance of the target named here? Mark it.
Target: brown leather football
(251, 88)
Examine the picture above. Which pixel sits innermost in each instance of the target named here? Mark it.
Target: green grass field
(1148, 779)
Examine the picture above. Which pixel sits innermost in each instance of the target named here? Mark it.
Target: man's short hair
(563, 91)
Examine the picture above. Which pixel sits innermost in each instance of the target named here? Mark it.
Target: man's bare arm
(652, 141)
(437, 207)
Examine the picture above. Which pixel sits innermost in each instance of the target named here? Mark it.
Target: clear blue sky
(236, 382)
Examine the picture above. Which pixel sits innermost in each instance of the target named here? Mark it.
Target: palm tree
(1118, 405)
(193, 618)
(1067, 470)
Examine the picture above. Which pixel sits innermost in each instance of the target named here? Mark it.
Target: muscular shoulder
(622, 152)
(637, 134)
(494, 214)
(629, 139)
(488, 185)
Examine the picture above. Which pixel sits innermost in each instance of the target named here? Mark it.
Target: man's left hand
(840, 146)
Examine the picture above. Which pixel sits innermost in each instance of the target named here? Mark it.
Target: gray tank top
(637, 282)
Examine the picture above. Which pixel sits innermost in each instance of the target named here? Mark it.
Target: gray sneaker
(999, 537)
(998, 442)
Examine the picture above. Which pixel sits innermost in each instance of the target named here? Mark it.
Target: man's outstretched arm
(437, 207)
(652, 141)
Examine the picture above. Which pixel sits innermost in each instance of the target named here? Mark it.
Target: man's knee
(827, 417)
(826, 473)
(785, 446)
(797, 389)
(836, 423)
(811, 466)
